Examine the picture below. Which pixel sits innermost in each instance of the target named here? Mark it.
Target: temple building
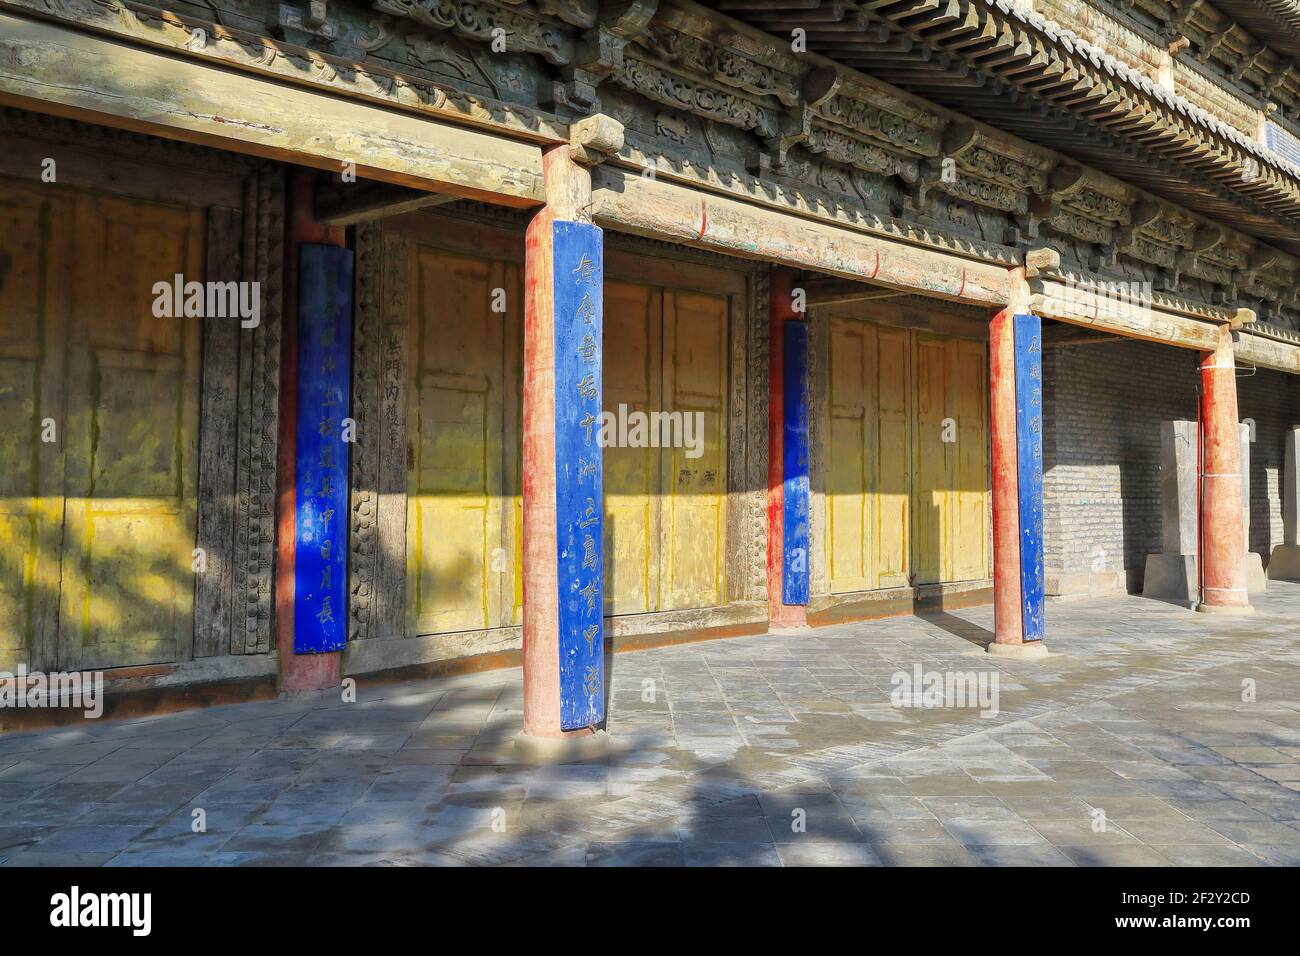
(358, 338)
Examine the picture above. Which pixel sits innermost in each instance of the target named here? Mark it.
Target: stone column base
(1284, 565)
(572, 749)
(1028, 651)
(1171, 577)
(1227, 610)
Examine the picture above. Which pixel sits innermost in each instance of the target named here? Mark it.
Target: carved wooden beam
(663, 210)
(53, 69)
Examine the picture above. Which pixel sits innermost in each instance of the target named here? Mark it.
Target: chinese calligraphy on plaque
(578, 287)
(321, 518)
(1029, 458)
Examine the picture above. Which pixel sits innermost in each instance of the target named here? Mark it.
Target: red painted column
(297, 671)
(1223, 544)
(781, 310)
(568, 193)
(1008, 590)
(1008, 628)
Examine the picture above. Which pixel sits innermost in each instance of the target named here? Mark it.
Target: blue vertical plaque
(324, 377)
(579, 502)
(795, 537)
(1029, 466)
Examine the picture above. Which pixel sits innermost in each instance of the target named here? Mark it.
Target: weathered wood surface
(131, 439)
(746, 119)
(47, 67)
(1131, 319)
(36, 230)
(255, 52)
(214, 587)
(259, 413)
(1267, 353)
(649, 207)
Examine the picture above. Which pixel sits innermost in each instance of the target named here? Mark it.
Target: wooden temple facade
(893, 256)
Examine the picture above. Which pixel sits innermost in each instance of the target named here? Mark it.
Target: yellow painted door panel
(131, 468)
(463, 480)
(665, 498)
(35, 254)
(951, 499)
(969, 542)
(934, 460)
(867, 487)
(907, 458)
(850, 504)
(632, 383)
(695, 385)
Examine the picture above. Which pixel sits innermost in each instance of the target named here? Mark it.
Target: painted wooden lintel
(53, 69)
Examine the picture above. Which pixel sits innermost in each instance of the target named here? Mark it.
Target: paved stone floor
(1137, 742)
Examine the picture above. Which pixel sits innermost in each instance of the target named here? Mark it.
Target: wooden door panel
(930, 511)
(35, 255)
(631, 475)
(463, 542)
(849, 499)
(695, 384)
(869, 495)
(132, 463)
(892, 530)
(970, 538)
(952, 494)
(904, 505)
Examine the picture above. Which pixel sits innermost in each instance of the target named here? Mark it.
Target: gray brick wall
(1104, 404)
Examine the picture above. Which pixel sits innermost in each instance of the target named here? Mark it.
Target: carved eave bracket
(709, 100)
(507, 30)
(598, 53)
(976, 168)
(1088, 206)
(1158, 235)
(595, 139)
(722, 63)
(303, 26)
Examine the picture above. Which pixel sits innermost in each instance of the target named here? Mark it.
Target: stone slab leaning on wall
(1171, 575)
(1284, 565)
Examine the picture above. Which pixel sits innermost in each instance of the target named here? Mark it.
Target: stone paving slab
(1150, 736)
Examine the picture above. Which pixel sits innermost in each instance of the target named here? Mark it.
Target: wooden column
(562, 476)
(1016, 428)
(1223, 542)
(787, 488)
(297, 671)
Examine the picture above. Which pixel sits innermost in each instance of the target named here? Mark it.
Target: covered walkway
(1145, 738)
